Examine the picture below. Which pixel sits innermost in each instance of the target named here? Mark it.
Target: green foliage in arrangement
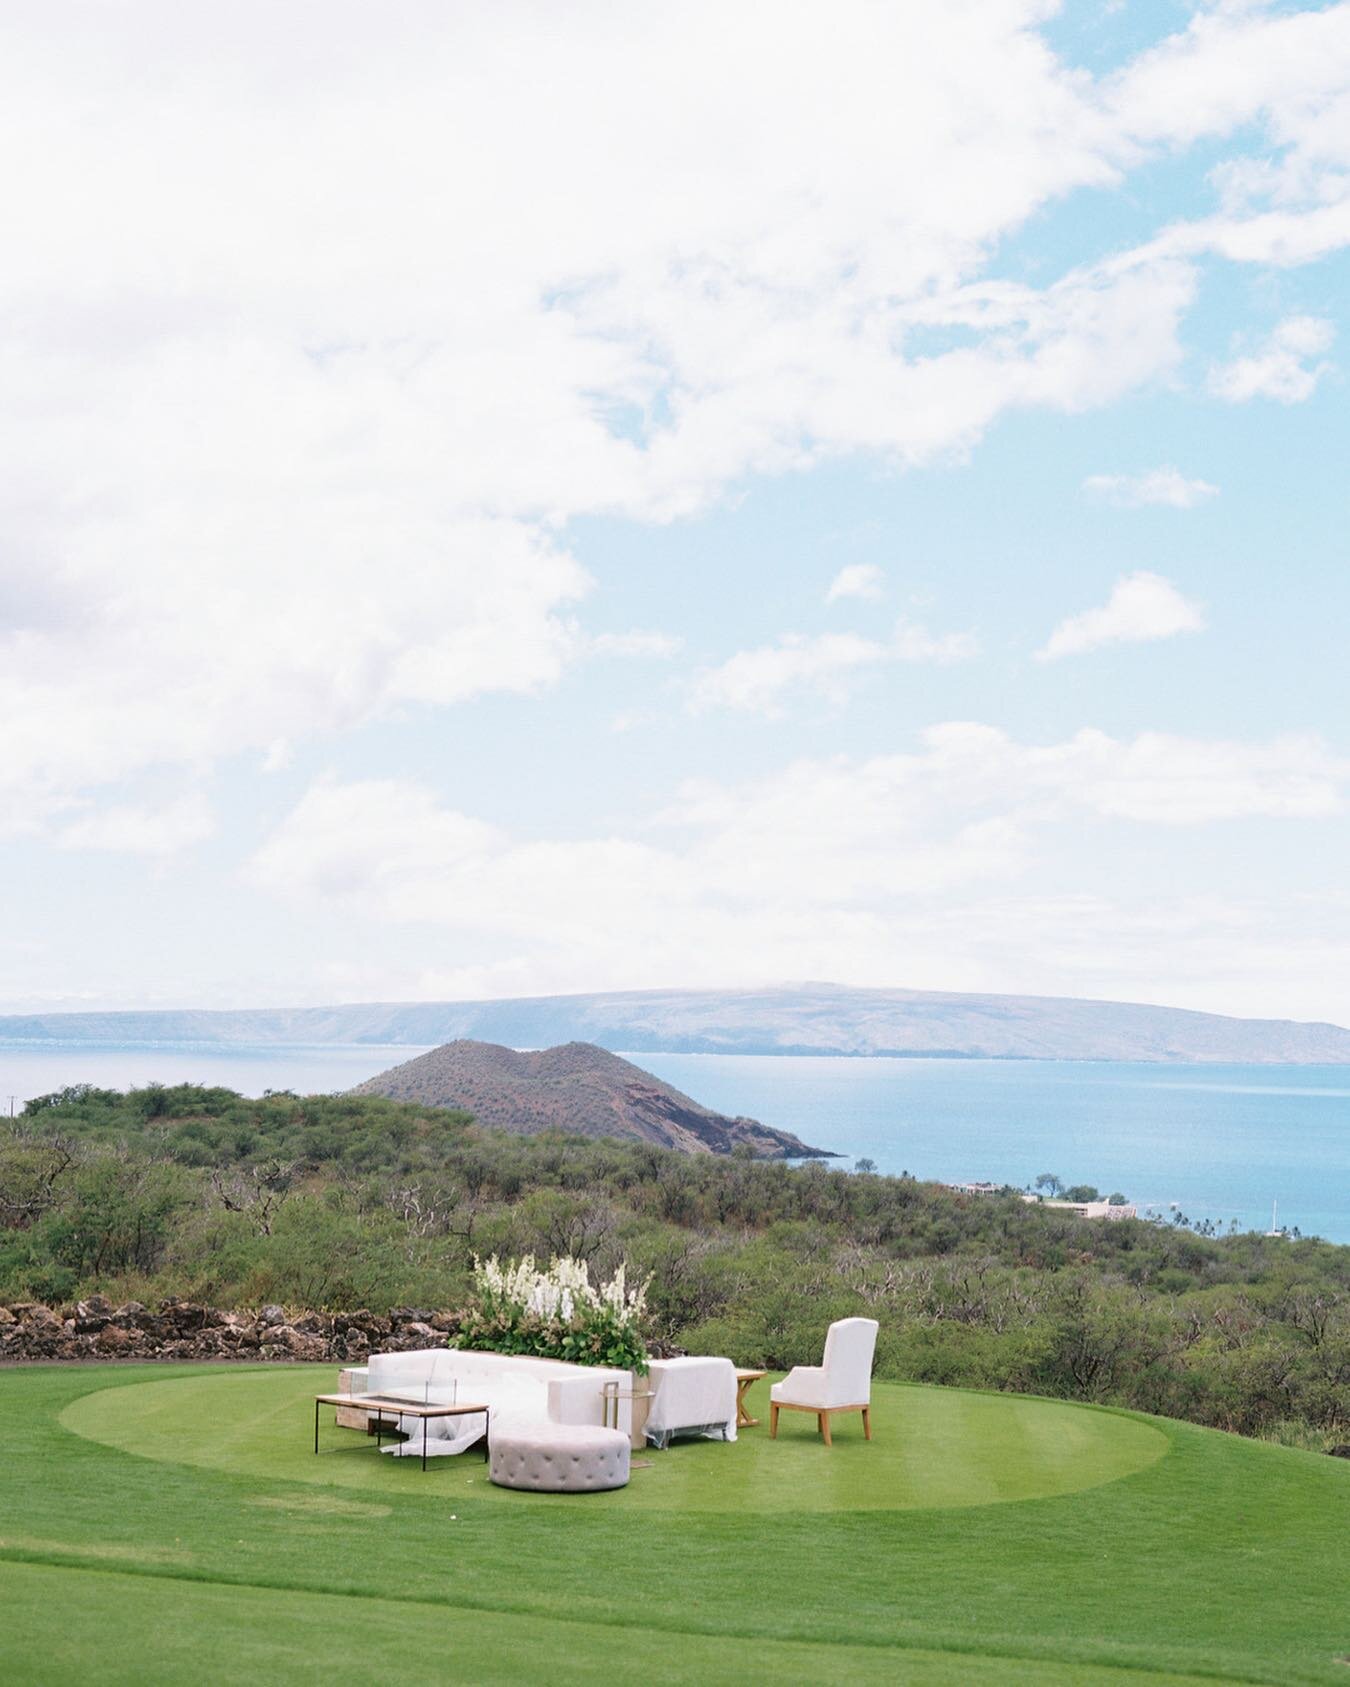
(342, 1202)
(555, 1314)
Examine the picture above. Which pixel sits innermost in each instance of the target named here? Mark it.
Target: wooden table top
(749, 1376)
(409, 1408)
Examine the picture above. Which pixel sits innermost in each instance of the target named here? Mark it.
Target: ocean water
(29, 1069)
(1220, 1142)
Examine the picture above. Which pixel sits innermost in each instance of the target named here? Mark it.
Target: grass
(171, 1525)
(947, 1447)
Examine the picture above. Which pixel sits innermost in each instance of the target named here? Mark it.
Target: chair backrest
(849, 1347)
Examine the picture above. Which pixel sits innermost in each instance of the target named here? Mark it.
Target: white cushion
(804, 1385)
(560, 1458)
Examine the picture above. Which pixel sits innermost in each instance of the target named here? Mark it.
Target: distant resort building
(1084, 1209)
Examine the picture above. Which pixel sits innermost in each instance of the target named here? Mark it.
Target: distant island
(580, 1089)
(827, 1019)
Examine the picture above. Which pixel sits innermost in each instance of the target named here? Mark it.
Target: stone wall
(180, 1329)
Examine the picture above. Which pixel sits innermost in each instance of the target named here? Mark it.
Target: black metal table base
(378, 1413)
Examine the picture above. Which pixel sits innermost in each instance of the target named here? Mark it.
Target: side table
(744, 1379)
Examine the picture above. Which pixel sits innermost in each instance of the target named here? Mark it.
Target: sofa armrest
(582, 1399)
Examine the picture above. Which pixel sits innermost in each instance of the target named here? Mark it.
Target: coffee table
(382, 1406)
(743, 1381)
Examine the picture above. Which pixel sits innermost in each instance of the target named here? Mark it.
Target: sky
(512, 499)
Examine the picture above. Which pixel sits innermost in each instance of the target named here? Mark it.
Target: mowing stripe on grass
(72, 1626)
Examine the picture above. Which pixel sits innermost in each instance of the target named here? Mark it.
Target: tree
(33, 1171)
(256, 1190)
(1082, 1192)
(1049, 1184)
(864, 1165)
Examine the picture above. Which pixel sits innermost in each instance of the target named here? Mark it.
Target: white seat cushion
(804, 1385)
(560, 1458)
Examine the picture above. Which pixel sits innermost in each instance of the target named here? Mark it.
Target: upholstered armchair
(842, 1382)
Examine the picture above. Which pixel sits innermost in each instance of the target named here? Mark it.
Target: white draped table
(692, 1396)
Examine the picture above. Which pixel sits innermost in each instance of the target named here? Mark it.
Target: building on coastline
(1086, 1209)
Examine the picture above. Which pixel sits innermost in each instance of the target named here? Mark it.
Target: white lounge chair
(842, 1382)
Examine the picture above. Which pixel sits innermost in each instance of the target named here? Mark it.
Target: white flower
(563, 1291)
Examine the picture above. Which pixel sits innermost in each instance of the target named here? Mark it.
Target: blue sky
(495, 505)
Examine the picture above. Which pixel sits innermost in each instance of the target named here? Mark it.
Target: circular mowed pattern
(931, 1448)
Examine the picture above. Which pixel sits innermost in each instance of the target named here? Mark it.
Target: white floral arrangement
(557, 1313)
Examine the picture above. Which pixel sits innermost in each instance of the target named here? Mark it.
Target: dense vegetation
(343, 1202)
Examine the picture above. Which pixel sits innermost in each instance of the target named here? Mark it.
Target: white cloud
(758, 680)
(636, 643)
(281, 620)
(1287, 199)
(1236, 64)
(857, 580)
(1280, 369)
(320, 339)
(298, 412)
(1142, 607)
(912, 642)
(1157, 486)
(839, 868)
(1167, 780)
(141, 831)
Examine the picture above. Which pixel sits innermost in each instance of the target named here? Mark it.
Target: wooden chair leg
(867, 1422)
(824, 1421)
(773, 1421)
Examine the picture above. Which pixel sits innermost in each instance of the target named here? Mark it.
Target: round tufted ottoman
(559, 1458)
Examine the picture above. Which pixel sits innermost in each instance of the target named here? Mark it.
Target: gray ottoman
(559, 1458)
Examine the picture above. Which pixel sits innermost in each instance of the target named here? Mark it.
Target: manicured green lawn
(940, 1447)
(169, 1525)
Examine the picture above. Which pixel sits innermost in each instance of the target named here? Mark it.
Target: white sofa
(517, 1391)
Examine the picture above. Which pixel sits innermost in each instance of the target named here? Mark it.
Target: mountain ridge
(814, 1019)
